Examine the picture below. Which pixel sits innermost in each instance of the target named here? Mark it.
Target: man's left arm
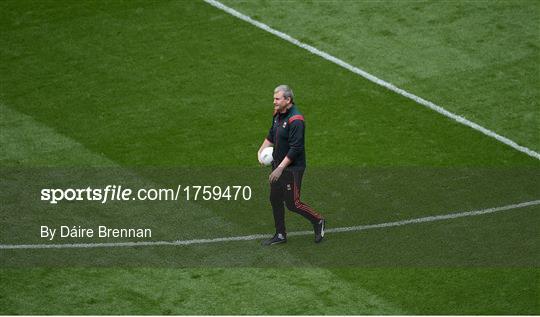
(296, 147)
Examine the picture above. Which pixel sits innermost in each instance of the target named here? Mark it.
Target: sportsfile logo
(121, 193)
(109, 193)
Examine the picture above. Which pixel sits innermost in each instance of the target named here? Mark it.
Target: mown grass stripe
(262, 236)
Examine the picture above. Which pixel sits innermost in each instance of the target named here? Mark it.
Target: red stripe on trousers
(300, 205)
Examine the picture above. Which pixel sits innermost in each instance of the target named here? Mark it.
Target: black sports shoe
(276, 239)
(318, 228)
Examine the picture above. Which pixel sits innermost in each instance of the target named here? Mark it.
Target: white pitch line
(262, 236)
(375, 79)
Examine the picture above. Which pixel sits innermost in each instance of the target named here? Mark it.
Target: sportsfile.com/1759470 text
(119, 193)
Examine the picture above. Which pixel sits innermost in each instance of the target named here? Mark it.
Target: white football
(266, 156)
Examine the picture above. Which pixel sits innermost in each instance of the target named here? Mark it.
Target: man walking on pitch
(287, 137)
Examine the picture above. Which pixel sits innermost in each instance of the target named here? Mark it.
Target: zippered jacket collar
(286, 113)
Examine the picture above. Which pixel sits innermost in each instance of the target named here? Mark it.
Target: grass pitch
(185, 87)
(476, 59)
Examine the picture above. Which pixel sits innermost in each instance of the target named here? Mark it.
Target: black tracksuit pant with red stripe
(286, 191)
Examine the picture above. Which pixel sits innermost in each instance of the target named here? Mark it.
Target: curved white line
(263, 236)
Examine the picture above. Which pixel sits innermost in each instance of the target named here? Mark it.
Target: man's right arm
(267, 141)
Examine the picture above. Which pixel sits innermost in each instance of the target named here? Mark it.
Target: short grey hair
(287, 91)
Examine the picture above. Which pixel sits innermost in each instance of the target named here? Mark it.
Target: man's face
(281, 103)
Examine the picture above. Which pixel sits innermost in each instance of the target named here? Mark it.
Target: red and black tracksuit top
(287, 135)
